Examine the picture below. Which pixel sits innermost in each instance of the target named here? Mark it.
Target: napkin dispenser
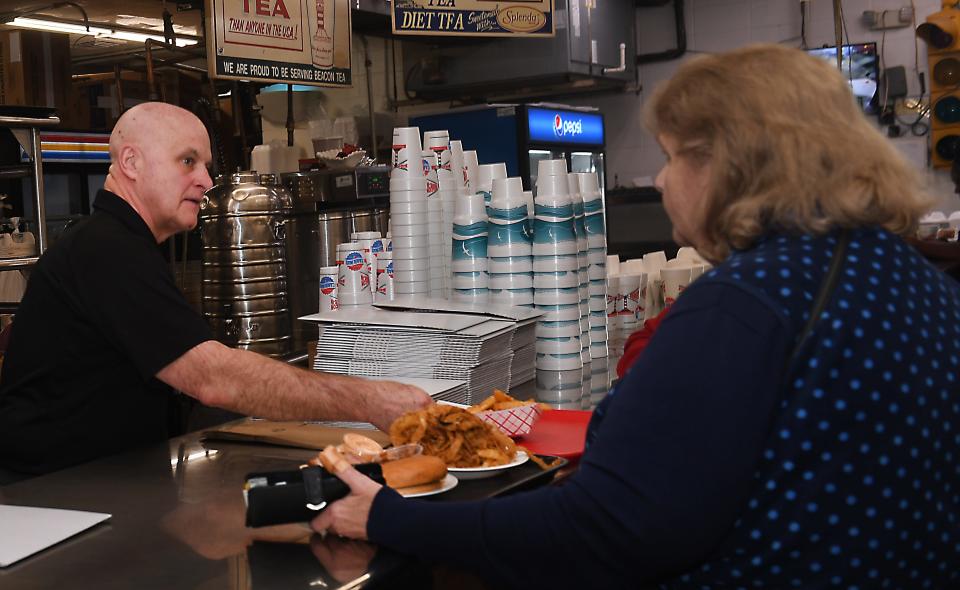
(280, 497)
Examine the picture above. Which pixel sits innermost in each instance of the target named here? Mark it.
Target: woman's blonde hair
(788, 145)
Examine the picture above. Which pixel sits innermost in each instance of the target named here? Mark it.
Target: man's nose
(205, 181)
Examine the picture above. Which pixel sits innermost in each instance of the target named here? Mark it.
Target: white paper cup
(555, 263)
(598, 304)
(385, 278)
(470, 170)
(353, 280)
(470, 280)
(510, 264)
(486, 173)
(558, 345)
(553, 187)
(560, 362)
(399, 231)
(507, 193)
(511, 281)
(402, 265)
(675, 281)
(598, 349)
(406, 152)
(410, 276)
(557, 297)
(405, 244)
(556, 167)
(438, 142)
(541, 249)
(517, 297)
(470, 207)
(407, 183)
(556, 381)
(597, 319)
(407, 218)
(556, 279)
(597, 272)
(558, 329)
(456, 164)
(559, 313)
(411, 288)
(589, 184)
(469, 265)
(416, 196)
(470, 295)
(409, 207)
(328, 288)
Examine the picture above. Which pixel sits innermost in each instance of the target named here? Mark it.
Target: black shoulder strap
(827, 286)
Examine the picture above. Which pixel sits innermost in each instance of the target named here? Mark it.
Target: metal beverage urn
(244, 287)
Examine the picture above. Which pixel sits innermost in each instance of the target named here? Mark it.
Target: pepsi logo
(327, 285)
(567, 128)
(354, 261)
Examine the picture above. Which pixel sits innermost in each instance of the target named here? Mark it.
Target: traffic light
(941, 33)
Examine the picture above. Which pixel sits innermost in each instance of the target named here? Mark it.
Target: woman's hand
(348, 517)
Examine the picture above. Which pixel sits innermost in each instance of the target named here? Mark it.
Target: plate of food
(446, 484)
(480, 472)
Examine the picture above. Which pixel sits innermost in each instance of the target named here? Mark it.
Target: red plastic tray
(558, 432)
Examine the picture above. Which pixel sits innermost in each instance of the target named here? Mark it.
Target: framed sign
(473, 18)
(286, 41)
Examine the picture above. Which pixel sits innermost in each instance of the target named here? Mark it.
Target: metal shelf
(26, 122)
(17, 263)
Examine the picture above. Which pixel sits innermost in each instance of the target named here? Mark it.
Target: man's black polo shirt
(101, 315)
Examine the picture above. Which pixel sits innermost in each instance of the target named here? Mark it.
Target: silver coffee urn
(244, 288)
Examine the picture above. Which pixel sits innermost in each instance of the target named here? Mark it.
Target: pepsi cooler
(523, 134)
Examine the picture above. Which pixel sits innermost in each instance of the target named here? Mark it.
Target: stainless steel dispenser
(244, 288)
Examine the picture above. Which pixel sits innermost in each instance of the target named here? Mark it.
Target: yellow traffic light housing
(941, 33)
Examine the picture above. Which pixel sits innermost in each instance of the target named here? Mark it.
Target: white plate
(481, 472)
(449, 482)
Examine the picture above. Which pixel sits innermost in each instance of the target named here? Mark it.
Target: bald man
(104, 335)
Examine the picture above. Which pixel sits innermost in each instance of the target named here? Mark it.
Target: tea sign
(286, 41)
(473, 18)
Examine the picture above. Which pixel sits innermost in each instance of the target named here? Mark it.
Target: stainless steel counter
(178, 519)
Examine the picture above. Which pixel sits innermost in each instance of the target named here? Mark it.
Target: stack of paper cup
(583, 264)
(372, 245)
(449, 192)
(385, 277)
(328, 288)
(409, 227)
(614, 305)
(597, 271)
(457, 165)
(556, 273)
(469, 249)
(508, 244)
(470, 171)
(653, 262)
(353, 280)
(439, 143)
(486, 173)
(675, 281)
(599, 384)
(435, 220)
(629, 289)
(561, 389)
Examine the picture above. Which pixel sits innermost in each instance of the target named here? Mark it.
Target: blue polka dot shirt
(715, 464)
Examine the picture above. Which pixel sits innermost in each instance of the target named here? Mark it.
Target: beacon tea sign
(474, 18)
(287, 41)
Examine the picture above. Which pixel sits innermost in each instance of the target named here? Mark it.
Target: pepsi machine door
(589, 162)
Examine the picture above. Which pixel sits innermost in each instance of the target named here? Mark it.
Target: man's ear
(130, 161)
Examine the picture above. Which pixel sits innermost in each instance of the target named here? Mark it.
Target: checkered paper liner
(515, 421)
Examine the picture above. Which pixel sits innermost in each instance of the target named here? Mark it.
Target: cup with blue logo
(353, 278)
(328, 288)
(385, 277)
(406, 155)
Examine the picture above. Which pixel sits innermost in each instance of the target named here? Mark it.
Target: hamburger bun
(418, 470)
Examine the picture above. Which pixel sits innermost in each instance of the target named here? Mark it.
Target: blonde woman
(795, 421)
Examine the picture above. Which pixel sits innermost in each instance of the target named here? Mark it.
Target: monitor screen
(861, 66)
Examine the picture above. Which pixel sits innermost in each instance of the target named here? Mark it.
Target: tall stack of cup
(470, 171)
(372, 245)
(469, 249)
(583, 265)
(457, 164)
(654, 262)
(434, 220)
(486, 173)
(385, 277)
(508, 245)
(450, 182)
(409, 228)
(556, 271)
(630, 287)
(328, 288)
(593, 222)
(353, 278)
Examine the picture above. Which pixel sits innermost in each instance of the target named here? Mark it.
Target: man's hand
(391, 399)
